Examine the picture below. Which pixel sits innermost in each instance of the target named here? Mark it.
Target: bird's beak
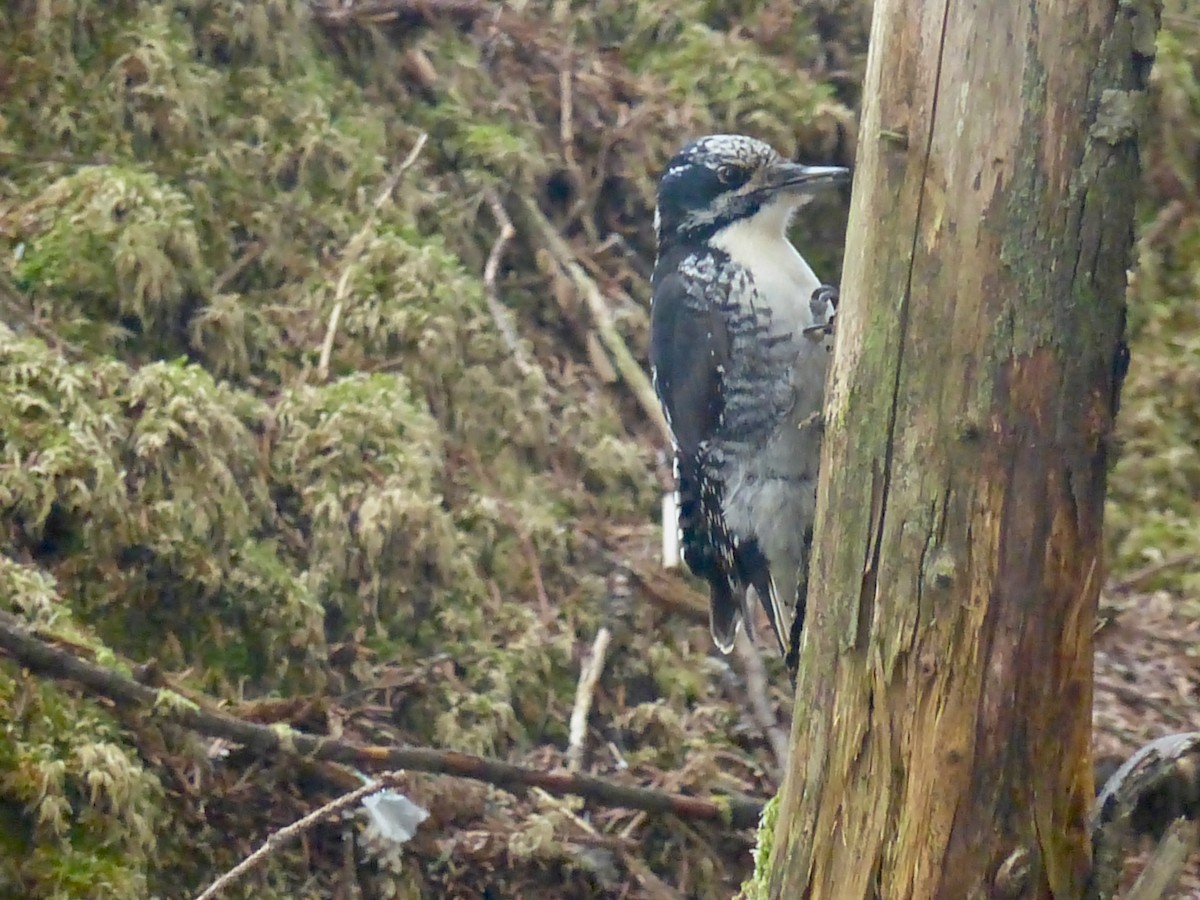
(797, 179)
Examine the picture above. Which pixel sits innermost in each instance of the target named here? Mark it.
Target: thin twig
(367, 13)
(1166, 863)
(407, 163)
(1144, 574)
(566, 122)
(43, 658)
(630, 371)
(330, 332)
(64, 159)
(670, 593)
(634, 824)
(500, 315)
(655, 887)
(1138, 697)
(584, 691)
(13, 300)
(566, 136)
(354, 249)
(535, 571)
(252, 253)
(757, 688)
(290, 833)
(528, 550)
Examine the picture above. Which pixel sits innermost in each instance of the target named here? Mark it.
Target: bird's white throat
(760, 244)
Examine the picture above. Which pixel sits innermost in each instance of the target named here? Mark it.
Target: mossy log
(943, 706)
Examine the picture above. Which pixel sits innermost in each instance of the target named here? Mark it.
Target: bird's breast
(783, 281)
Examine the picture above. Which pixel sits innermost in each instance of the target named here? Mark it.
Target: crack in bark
(866, 612)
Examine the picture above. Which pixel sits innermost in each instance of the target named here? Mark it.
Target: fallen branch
(290, 833)
(1154, 788)
(354, 249)
(588, 676)
(1144, 574)
(630, 371)
(758, 687)
(1166, 864)
(43, 658)
(500, 315)
(365, 13)
(15, 306)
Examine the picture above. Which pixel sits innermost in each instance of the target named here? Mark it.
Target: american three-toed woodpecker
(741, 331)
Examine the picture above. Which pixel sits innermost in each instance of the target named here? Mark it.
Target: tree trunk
(943, 704)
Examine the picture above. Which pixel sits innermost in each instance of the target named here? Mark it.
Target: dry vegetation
(261, 424)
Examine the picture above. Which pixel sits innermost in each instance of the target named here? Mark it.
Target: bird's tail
(754, 571)
(726, 601)
(778, 615)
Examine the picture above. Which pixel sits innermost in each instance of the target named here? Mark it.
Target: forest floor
(325, 444)
(1147, 685)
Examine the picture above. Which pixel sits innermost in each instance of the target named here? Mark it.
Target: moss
(144, 490)
(363, 458)
(80, 808)
(193, 204)
(1152, 509)
(113, 235)
(740, 85)
(756, 886)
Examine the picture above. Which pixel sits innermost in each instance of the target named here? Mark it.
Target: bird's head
(722, 179)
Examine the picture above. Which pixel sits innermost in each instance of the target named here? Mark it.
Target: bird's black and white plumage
(741, 331)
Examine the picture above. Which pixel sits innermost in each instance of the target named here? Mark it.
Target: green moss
(79, 807)
(1152, 510)
(1154, 485)
(740, 86)
(363, 459)
(145, 490)
(193, 205)
(755, 887)
(113, 237)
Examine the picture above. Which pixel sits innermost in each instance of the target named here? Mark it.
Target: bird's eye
(731, 175)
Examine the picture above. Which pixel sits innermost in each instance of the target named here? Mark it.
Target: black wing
(690, 352)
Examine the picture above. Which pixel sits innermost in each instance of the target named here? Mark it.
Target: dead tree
(943, 705)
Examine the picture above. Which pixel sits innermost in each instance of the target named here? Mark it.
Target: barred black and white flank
(741, 331)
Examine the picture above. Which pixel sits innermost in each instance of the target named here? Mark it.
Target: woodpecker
(740, 339)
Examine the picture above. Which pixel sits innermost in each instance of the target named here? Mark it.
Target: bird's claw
(823, 298)
(825, 294)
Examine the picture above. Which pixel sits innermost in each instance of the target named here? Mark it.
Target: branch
(499, 313)
(289, 833)
(592, 296)
(1136, 579)
(13, 302)
(1162, 872)
(589, 674)
(354, 248)
(367, 13)
(758, 691)
(42, 658)
(1155, 787)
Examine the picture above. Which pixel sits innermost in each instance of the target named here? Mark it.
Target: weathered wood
(1157, 785)
(943, 707)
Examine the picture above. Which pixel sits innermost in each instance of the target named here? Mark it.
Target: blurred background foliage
(260, 423)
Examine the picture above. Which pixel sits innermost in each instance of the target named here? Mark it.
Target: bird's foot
(824, 310)
(825, 294)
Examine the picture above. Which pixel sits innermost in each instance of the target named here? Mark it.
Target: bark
(943, 704)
